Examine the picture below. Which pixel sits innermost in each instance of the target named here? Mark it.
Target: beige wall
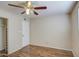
(52, 31)
(75, 33)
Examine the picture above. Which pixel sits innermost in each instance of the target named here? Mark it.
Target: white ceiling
(53, 7)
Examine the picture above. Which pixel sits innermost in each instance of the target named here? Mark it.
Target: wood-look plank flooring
(38, 51)
(3, 54)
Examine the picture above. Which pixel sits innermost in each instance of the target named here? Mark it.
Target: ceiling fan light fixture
(29, 8)
(27, 11)
(29, 3)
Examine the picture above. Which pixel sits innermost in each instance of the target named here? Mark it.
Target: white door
(25, 32)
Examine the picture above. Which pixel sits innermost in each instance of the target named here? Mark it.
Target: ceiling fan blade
(15, 5)
(41, 7)
(23, 12)
(35, 13)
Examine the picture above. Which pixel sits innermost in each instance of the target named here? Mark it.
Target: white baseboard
(50, 47)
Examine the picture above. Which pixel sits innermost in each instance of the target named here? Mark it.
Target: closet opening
(3, 36)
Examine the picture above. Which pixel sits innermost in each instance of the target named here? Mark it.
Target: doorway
(3, 37)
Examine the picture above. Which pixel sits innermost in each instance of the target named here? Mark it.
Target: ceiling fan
(28, 6)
